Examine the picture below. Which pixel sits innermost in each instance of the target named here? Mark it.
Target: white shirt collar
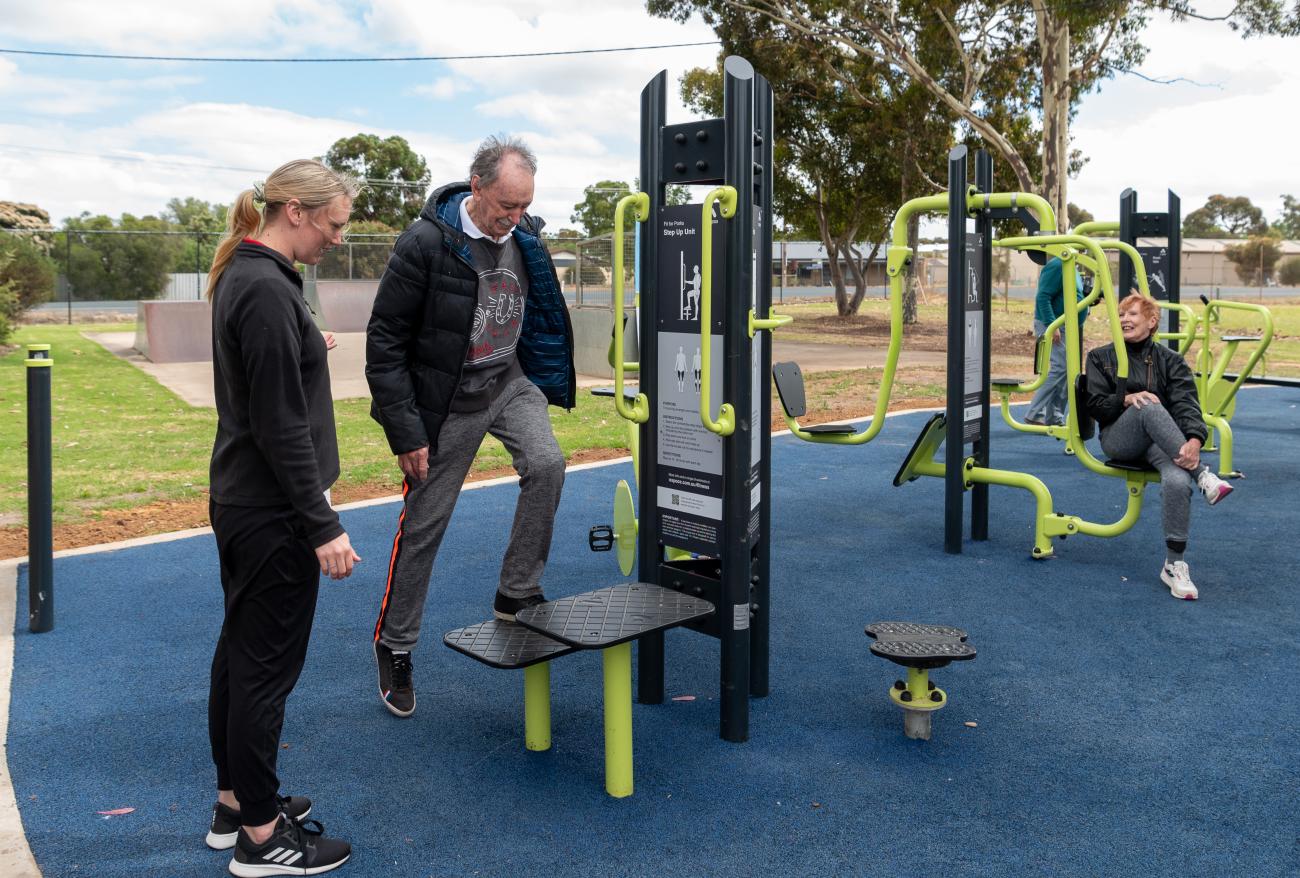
(467, 225)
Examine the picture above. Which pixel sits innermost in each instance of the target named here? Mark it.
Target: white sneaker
(1179, 580)
(1213, 487)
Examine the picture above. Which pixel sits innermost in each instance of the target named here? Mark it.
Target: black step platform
(614, 615)
(1242, 338)
(1003, 381)
(505, 645)
(915, 645)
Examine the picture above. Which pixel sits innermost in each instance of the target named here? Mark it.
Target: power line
(219, 60)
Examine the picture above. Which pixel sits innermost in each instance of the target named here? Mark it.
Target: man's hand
(330, 342)
(415, 464)
(1058, 337)
(1189, 456)
(337, 558)
(1140, 399)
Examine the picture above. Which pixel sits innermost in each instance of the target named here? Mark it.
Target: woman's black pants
(270, 578)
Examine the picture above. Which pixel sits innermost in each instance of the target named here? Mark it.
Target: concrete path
(192, 382)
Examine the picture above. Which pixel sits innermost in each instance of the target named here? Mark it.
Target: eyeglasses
(336, 229)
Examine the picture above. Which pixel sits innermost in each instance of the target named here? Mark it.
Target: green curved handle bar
(897, 257)
(726, 196)
(638, 411)
(768, 323)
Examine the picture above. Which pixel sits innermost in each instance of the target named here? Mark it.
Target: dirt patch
(872, 330)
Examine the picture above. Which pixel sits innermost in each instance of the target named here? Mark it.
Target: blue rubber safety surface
(1119, 732)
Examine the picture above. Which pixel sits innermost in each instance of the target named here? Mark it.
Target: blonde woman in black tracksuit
(274, 457)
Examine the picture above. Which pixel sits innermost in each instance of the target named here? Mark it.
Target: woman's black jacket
(1153, 367)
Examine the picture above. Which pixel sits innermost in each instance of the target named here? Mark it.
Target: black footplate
(504, 645)
(914, 645)
(609, 616)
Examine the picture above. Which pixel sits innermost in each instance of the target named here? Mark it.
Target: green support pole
(537, 706)
(617, 661)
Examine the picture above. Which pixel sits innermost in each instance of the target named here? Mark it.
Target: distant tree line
(1256, 258)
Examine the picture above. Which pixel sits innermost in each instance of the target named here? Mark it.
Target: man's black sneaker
(395, 680)
(293, 849)
(505, 607)
(225, 821)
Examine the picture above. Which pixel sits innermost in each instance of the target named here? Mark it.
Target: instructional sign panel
(689, 457)
(973, 340)
(1156, 260)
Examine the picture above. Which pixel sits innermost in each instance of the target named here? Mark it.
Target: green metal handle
(769, 323)
(726, 196)
(1212, 315)
(1097, 227)
(638, 411)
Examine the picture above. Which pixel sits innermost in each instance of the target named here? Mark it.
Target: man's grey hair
(493, 151)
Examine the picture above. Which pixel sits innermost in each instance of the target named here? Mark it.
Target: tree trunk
(837, 277)
(1054, 46)
(860, 269)
(913, 227)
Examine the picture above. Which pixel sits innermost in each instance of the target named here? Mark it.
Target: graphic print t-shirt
(491, 363)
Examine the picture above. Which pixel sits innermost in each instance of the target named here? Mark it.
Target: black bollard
(40, 492)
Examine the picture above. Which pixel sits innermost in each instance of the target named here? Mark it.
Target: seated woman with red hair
(1154, 416)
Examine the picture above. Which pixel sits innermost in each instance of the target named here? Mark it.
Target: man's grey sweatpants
(1149, 433)
(518, 417)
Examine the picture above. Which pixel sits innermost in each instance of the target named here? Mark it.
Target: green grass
(121, 439)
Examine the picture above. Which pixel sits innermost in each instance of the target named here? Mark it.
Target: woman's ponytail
(242, 221)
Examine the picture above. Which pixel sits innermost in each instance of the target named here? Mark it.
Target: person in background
(274, 458)
(469, 337)
(1048, 406)
(1154, 415)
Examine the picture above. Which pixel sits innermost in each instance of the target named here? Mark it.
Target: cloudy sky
(110, 136)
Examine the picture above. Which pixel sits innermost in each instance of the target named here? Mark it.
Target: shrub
(1289, 273)
(9, 308)
(27, 269)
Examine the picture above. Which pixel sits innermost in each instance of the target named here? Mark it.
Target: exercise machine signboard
(973, 353)
(689, 458)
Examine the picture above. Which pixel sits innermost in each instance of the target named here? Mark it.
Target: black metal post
(1175, 239)
(1128, 234)
(979, 496)
(40, 492)
(650, 649)
(954, 454)
(734, 603)
(762, 591)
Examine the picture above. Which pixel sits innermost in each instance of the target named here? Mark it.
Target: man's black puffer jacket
(420, 327)
(1152, 367)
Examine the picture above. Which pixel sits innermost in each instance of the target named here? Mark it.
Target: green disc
(624, 527)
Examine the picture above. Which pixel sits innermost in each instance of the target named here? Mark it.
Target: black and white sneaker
(293, 849)
(395, 686)
(225, 821)
(504, 607)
